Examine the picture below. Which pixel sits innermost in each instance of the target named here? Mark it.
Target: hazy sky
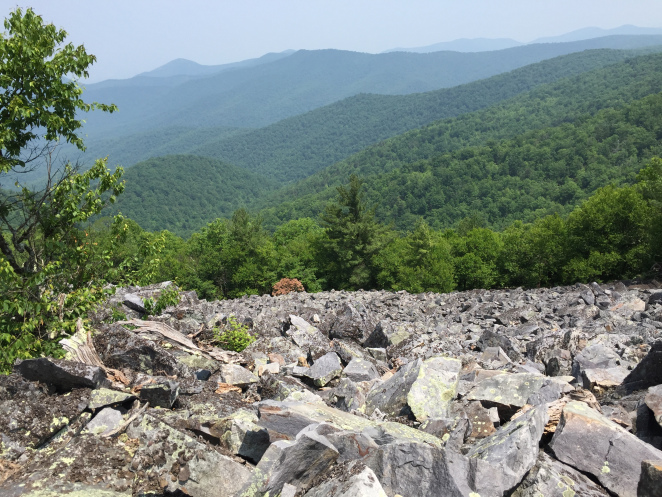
(132, 36)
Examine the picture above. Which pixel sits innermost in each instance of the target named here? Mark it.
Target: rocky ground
(524, 393)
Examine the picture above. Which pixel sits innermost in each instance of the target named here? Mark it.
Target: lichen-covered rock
(552, 478)
(435, 387)
(507, 392)
(103, 397)
(593, 444)
(178, 461)
(654, 402)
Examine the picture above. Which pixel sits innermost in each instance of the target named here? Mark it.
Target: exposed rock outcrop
(491, 393)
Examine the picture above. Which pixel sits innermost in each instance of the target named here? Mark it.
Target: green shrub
(169, 297)
(234, 336)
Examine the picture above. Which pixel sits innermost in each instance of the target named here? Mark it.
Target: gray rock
(203, 472)
(351, 324)
(163, 393)
(355, 480)
(593, 444)
(103, 397)
(135, 302)
(307, 336)
(325, 369)
(349, 395)
(233, 374)
(507, 392)
(360, 370)
(121, 349)
(240, 434)
(379, 354)
(63, 375)
(595, 356)
(603, 378)
(490, 339)
(431, 471)
(435, 387)
(351, 445)
(296, 462)
(648, 372)
(650, 483)
(500, 461)
(654, 402)
(552, 478)
(106, 420)
(390, 397)
(387, 333)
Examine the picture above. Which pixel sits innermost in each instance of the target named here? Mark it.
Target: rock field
(524, 393)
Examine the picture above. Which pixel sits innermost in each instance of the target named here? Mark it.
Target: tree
(355, 238)
(49, 275)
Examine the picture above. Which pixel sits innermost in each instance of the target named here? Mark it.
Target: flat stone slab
(64, 375)
(286, 419)
(103, 397)
(508, 392)
(648, 372)
(106, 420)
(591, 443)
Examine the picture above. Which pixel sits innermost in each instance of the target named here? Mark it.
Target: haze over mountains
(281, 131)
(486, 44)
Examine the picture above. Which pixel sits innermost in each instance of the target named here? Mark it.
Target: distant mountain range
(490, 44)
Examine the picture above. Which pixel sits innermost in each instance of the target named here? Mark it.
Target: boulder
(434, 388)
(507, 392)
(591, 443)
(654, 402)
(103, 397)
(187, 463)
(297, 462)
(415, 468)
(350, 480)
(134, 302)
(162, 393)
(306, 336)
(650, 483)
(240, 434)
(351, 324)
(387, 334)
(325, 369)
(499, 462)
(390, 397)
(360, 370)
(233, 374)
(63, 375)
(552, 478)
(105, 420)
(648, 372)
(596, 356)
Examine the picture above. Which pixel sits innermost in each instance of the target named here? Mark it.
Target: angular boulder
(63, 375)
(591, 443)
(238, 376)
(360, 370)
(325, 369)
(354, 480)
(434, 388)
(499, 462)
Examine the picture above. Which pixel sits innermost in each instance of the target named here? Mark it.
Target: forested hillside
(548, 105)
(298, 146)
(184, 192)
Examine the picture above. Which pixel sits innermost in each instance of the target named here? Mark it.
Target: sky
(132, 36)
